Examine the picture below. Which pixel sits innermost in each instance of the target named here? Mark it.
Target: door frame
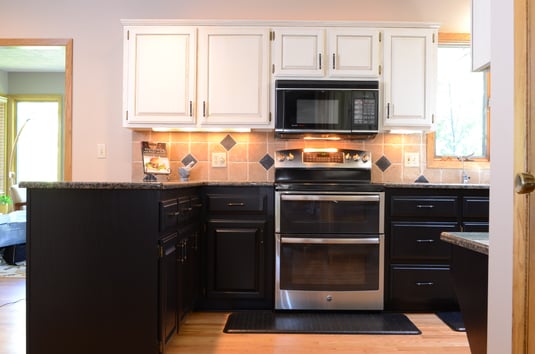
(524, 161)
(67, 106)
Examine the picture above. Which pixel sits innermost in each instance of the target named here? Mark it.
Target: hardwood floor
(202, 334)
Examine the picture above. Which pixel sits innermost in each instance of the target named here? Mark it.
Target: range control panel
(323, 157)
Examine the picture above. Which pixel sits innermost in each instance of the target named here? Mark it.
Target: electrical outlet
(101, 151)
(219, 159)
(412, 159)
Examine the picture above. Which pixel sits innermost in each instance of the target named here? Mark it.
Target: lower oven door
(329, 273)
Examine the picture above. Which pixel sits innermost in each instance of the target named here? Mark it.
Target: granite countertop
(438, 185)
(135, 185)
(474, 241)
(181, 184)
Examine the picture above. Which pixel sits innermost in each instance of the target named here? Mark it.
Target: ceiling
(32, 58)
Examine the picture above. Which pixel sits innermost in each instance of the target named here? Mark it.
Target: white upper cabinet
(233, 82)
(298, 52)
(353, 52)
(159, 75)
(409, 78)
(331, 52)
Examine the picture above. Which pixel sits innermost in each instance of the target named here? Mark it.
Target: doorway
(66, 119)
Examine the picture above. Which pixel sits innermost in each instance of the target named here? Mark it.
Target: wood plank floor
(202, 334)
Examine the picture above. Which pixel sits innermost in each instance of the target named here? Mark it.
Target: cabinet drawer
(235, 202)
(440, 206)
(421, 288)
(168, 214)
(476, 207)
(476, 226)
(418, 241)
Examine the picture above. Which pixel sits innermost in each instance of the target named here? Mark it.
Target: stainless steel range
(329, 228)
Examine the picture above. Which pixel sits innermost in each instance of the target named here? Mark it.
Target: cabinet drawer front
(232, 203)
(440, 206)
(417, 241)
(421, 288)
(168, 214)
(476, 207)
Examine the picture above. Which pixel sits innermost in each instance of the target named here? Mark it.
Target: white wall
(502, 177)
(96, 31)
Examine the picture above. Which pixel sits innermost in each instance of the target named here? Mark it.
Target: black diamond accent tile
(188, 158)
(228, 142)
(383, 163)
(267, 161)
(421, 179)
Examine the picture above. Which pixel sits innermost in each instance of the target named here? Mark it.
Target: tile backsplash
(250, 156)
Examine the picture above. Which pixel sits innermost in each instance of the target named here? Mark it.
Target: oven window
(329, 215)
(329, 267)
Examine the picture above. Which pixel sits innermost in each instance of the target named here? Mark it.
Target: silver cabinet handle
(425, 283)
(190, 108)
(204, 108)
(425, 241)
(319, 55)
(425, 206)
(231, 204)
(334, 61)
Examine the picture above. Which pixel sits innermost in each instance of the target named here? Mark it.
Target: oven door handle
(334, 241)
(332, 198)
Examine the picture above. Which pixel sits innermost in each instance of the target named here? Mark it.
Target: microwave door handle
(333, 241)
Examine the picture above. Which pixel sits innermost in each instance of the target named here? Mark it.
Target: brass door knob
(524, 183)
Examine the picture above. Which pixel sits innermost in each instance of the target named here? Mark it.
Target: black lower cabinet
(235, 260)
(93, 272)
(418, 276)
(238, 249)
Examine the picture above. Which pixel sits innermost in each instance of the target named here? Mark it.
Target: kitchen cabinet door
(159, 76)
(236, 266)
(409, 78)
(353, 52)
(298, 52)
(233, 82)
(480, 39)
(336, 53)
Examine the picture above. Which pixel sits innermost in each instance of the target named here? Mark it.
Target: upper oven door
(329, 213)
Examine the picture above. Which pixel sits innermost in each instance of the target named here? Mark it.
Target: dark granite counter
(181, 184)
(135, 185)
(438, 185)
(474, 241)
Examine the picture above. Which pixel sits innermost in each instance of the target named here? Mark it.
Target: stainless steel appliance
(329, 229)
(326, 108)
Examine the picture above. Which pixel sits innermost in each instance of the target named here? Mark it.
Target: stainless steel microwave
(326, 109)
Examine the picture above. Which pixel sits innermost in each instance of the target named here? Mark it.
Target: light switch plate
(412, 159)
(101, 151)
(219, 159)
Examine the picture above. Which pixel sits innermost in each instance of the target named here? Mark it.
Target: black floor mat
(453, 319)
(319, 322)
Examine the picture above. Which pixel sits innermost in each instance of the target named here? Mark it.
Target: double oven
(329, 229)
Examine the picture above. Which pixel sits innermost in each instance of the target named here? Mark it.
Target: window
(36, 144)
(462, 119)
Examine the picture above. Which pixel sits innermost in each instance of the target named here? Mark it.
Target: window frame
(12, 129)
(434, 161)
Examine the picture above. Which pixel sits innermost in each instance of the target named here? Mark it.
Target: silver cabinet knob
(524, 183)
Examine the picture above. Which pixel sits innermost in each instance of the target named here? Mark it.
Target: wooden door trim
(523, 113)
(67, 109)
